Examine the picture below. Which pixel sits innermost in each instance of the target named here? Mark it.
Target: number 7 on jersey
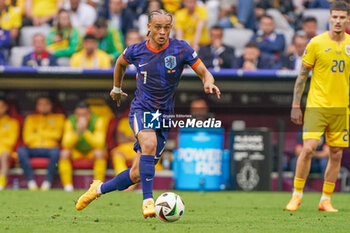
(144, 73)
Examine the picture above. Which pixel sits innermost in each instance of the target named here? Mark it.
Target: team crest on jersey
(170, 62)
(347, 49)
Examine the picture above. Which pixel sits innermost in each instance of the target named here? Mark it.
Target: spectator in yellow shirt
(18, 3)
(42, 132)
(9, 131)
(171, 5)
(38, 12)
(91, 57)
(10, 19)
(190, 24)
(83, 138)
(123, 153)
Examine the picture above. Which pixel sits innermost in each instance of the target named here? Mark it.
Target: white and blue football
(169, 207)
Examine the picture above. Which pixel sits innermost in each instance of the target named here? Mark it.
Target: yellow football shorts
(334, 122)
(79, 155)
(127, 149)
(4, 149)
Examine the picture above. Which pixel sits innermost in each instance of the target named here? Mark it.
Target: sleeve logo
(347, 49)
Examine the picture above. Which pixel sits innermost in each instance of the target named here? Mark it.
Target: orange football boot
(294, 203)
(90, 195)
(326, 206)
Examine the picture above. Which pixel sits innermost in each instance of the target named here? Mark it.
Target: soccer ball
(169, 207)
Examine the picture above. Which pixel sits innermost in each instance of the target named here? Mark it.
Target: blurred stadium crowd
(46, 138)
(90, 138)
(91, 34)
(248, 34)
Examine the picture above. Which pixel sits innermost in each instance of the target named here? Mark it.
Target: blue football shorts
(136, 123)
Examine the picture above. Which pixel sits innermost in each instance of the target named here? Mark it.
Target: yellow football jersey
(9, 131)
(188, 24)
(330, 63)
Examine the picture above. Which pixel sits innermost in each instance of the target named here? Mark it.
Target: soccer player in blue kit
(159, 62)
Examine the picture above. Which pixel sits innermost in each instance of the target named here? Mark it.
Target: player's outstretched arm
(296, 115)
(207, 79)
(119, 72)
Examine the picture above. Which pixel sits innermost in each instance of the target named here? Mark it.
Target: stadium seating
(39, 163)
(82, 164)
(17, 54)
(27, 33)
(288, 36)
(280, 22)
(237, 38)
(321, 15)
(234, 37)
(213, 8)
(63, 61)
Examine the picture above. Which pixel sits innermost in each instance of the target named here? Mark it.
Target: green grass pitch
(24, 211)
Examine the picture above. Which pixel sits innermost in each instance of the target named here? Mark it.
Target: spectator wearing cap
(40, 56)
(110, 39)
(292, 60)
(216, 54)
(82, 14)
(42, 132)
(252, 59)
(83, 138)
(63, 40)
(268, 40)
(91, 57)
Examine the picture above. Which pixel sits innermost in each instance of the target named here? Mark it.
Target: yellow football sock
(119, 164)
(328, 188)
(299, 184)
(100, 166)
(65, 170)
(3, 181)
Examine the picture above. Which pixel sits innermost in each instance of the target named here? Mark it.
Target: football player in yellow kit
(328, 56)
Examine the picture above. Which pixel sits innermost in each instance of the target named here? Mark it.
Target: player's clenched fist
(117, 95)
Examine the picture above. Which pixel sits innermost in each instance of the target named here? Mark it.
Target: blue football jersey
(158, 73)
